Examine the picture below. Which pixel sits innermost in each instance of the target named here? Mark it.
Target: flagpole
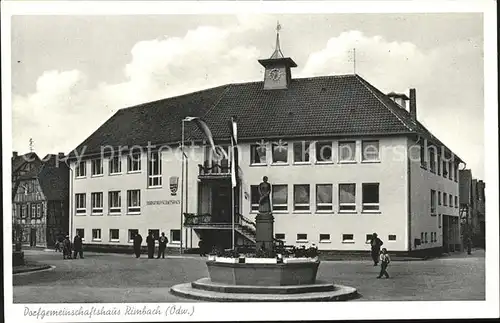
(233, 164)
(182, 185)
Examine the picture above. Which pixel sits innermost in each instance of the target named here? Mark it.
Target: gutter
(408, 175)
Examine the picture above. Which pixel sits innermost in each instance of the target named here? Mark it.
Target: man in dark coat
(162, 245)
(137, 244)
(375, 243)
(150, 241)
(77, 246)
(66, 248)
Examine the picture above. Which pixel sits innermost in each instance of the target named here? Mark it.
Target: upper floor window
(280, 152)
(456, 173)
(450, 197)
(133, 201)
(433, 202)
(154, 169)
(347, 151)
(439, 164)
(324, 151)
(423, 157)
(432, 159)
(115, 202)
(324, 197)
(347, 197)
(97, 203)
(371, 200)
(81, 169)
(134, 163)
(301, 151)
(24, 211)
(280, 197)
(258, 154)
(80, 204)
(301, 198)
(456, 201)
(445, 168)
(254, 197)
(452, 171)
(439, 198)
(370, 150)
(445, 199)
(97, 168)
(115, 165)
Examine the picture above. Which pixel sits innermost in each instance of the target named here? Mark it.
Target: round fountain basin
(263, 274)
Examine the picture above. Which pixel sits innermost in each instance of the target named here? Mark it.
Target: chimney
(413, 104)
(14, 154)
(60, 155)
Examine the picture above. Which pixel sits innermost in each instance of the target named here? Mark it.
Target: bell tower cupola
(278, 73)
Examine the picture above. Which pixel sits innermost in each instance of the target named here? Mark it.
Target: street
(117, 278)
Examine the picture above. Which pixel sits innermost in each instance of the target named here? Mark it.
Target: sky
(72, 73)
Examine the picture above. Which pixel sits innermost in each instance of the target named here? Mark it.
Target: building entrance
(221, 203)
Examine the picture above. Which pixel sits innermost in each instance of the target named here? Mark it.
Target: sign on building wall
(174, 185)
(163, 202)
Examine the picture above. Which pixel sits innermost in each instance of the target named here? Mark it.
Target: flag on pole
(234, 151)
(208, 134)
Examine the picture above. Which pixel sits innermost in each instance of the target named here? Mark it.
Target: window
(456, 173)
(81, 233)
(392, 237)
(115, 165)
(301, 198)
(451, 172)
(301, 152)
(114, 235)
(423, 161)
(445, 199)
(258, 154)
(97, 168)
(422, 237)
(81, 169)
(426, 241)
(301, 237)
(134, 163)
(456, 202)
(279, 236)
(432, 158)
(280, 197)
(439, 197)
(115, 202)
(155, 232)
(371, 197)
(324, 197)
(175, 236)
(33, 211)
(24, 211)
(96, 203)
(450, 200)
(324, 151)
(96, 234)
(133, 201)
(254, 197)
(433, 202)
(80, 203)
(154, 169)
(280, 152)
(347, 197)
(131, 234)
(369, 238)
(39, 210)
(348, 238)
(439, 221)
(445, 169)
(324, 237)
(439, 164)
(347, 151)
(370, 150)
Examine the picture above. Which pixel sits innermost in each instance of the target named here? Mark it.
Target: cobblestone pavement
(115, 278)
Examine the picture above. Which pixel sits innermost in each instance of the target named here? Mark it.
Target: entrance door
(221, 203)
(446, 236)
(33, 237)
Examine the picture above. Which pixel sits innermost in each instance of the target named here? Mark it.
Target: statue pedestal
(264, 224)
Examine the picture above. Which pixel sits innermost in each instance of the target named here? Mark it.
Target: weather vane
(31, 144)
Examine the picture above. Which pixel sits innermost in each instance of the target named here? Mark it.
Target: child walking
(384, 262)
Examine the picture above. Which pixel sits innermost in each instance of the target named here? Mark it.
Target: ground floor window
(175, 236)
(280, 236)
(301, 237)
(114, 235)
(347, 238)
(392, 237)
(81, 233)
(324, 237)
(369, 238)
(131, 234)
(155, 232)
(96, 234)
(254, 197)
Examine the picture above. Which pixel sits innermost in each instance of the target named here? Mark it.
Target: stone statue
(265, 199)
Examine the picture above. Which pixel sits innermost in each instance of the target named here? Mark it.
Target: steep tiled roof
(18, 161)
(340, 105)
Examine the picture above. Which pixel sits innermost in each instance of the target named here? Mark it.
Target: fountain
(273, 278)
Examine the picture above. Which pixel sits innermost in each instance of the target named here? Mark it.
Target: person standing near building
(150, 241)
(77, 246)
(375, 243)
(162, 245)
(137, 244)
(66, 248)
(385, 260)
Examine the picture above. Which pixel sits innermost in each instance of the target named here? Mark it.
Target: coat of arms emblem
(174, 185)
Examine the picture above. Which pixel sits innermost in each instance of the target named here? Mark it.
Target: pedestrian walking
(150, 241)
(375, 243)
(66, 248)
(201, 246)
(77, 247)
(384, 262)
(137, 244)
(162, 245)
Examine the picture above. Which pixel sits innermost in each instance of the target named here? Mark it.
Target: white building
(344, 161)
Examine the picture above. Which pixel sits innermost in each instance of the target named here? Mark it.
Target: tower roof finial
(277, 51)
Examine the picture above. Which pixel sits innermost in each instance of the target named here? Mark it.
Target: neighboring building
(344, 160)
(22, 164)
(472, 207)
(40, 203)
